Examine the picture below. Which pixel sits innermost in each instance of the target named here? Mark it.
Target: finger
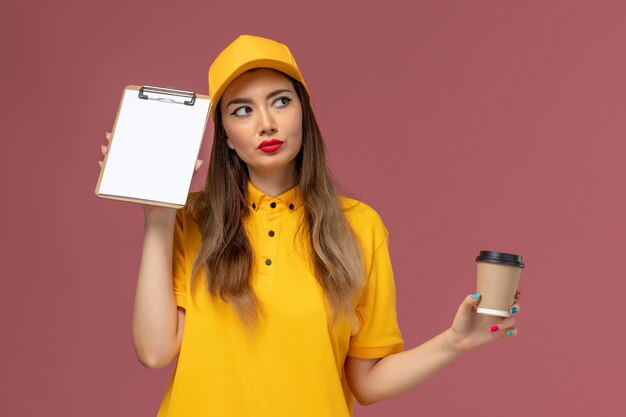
(511, 332)
(199, 163)
(108, 136)
(502, 326)
(103, 149)
(515, 308)
(469, 304)
(518, 294)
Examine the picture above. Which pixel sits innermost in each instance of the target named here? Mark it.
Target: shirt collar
(256, 199)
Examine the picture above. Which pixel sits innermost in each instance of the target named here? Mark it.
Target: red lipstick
(269, 146)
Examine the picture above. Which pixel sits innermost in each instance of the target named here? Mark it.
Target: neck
(272, 183)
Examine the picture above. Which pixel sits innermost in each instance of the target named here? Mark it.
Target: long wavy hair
(220, 210)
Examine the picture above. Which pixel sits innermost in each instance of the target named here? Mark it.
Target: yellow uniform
(293, 365)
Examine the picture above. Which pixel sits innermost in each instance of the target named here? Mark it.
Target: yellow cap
(245, 53)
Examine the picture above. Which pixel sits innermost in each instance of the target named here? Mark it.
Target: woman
(282, 301)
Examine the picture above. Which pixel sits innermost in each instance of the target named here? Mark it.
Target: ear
(229, 143)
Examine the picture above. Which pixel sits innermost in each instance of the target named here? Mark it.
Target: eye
(241, 111)
(282, 101)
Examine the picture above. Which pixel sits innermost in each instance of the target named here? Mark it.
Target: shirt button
(273, 205)
(271, 233)
(290, 206)
(268, 262)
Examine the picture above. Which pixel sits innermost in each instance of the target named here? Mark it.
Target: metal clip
(167, 91)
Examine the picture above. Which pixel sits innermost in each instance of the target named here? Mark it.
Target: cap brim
(257, 63)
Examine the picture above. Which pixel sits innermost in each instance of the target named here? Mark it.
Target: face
(262, 117)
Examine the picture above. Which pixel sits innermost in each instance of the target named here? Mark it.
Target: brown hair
(226, 253)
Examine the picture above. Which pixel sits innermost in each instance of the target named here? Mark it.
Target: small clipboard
(154, 145)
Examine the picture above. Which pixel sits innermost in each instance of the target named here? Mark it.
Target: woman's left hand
(471, 330)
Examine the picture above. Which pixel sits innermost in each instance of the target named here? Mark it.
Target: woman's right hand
(151, 213)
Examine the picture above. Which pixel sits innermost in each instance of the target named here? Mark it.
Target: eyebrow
(243, 100)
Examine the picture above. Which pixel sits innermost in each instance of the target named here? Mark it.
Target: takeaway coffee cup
(498, 276)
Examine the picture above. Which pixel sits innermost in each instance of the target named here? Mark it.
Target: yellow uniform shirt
(294, 364)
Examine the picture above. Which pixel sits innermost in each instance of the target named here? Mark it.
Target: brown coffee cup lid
(500, 258)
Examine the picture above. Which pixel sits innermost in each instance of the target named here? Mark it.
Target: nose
(267, 124)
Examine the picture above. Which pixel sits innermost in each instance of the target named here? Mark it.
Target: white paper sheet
(154, 148)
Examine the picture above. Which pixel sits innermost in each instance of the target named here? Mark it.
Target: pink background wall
(468, 125)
